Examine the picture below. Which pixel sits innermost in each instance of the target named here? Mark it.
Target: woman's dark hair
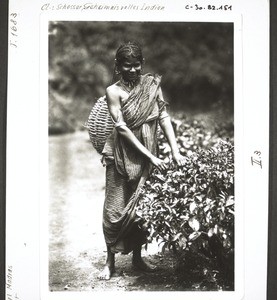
(130, 49)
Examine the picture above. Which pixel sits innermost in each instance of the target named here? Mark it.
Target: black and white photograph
(142, 169)
(141, 152)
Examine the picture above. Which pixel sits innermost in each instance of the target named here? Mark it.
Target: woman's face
(130, 69)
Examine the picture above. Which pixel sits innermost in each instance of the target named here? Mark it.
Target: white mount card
(213, 57)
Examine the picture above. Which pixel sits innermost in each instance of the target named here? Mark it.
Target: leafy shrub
(191, 208)
(193, 136)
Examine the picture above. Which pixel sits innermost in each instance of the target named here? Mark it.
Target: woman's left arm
(168, 130)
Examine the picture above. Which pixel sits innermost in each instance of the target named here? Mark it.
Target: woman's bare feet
(109, 268)
(139, 263)
(107, 272)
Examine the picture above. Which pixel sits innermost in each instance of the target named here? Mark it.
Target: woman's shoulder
(113, 93)
(113, 90)
(113, 87)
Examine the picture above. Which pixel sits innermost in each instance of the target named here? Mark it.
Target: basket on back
(100, 124)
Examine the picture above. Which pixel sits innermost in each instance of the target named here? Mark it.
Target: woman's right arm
(113, 101)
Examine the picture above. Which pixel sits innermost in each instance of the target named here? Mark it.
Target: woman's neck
(128, 85)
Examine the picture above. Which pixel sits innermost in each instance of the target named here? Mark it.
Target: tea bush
(194, 135)
(190, 209)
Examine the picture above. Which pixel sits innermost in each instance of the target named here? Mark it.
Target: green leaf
(211, 232)
(160, 177)
(192, 207)
(194, 224)
(193, 236)
(230, 201)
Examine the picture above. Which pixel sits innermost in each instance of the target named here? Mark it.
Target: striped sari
(127, 169)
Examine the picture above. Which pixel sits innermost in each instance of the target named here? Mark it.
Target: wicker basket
(99, 124)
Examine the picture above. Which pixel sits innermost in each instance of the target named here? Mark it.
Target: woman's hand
(158, 163)
(179, 159)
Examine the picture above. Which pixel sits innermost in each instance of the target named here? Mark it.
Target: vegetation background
(195, 60)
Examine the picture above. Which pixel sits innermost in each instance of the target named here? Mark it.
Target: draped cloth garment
(127, 169)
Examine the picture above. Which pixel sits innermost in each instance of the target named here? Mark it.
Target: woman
(136, 106)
